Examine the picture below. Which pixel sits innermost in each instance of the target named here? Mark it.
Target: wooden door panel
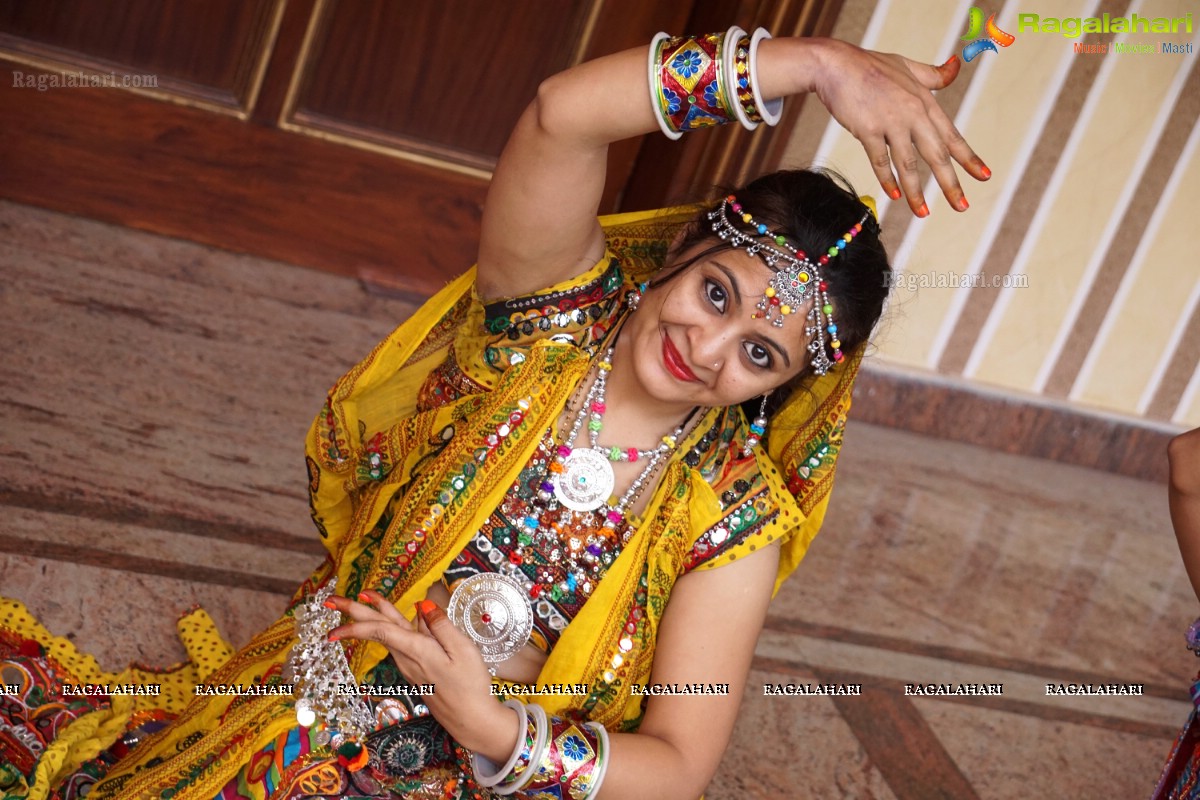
(212, 51)
(415, 75)
(403, 106)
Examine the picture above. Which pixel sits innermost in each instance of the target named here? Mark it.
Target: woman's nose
(709, 348)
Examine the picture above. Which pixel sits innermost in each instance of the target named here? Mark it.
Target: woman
(575, 482)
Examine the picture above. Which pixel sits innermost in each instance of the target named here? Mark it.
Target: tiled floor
(155, 394)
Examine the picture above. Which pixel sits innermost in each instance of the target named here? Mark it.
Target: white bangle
(542, 726)
(497, 775)
(771, 110)
(654, 82)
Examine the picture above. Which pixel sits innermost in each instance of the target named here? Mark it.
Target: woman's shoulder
(581, 310)
(498, 334)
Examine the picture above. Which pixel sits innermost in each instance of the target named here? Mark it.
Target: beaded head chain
(796, 281)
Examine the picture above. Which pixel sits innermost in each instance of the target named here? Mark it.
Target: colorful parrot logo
(994, 37)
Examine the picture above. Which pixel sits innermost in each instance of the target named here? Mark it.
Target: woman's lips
(675, 363)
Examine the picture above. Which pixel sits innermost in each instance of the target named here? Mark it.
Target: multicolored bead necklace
(582, 481)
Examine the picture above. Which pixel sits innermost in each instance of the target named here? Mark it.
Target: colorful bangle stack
(701, 81)
(688, 83)
(555, 755)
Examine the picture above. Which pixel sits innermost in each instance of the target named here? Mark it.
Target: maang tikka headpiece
(796, 281)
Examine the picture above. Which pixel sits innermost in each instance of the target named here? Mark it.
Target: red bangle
(688, 84)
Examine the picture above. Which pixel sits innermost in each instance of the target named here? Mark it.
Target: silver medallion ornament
(494, 611)
(587, 480)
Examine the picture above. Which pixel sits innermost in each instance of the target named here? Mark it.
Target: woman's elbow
(552, 108)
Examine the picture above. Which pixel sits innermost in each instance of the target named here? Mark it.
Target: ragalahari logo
(994, 37)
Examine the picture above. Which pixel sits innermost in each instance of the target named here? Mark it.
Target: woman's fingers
(371, 605)
(398, 639)
(881, 162)
(384, 606)
(886, 102)
(937, 77)
(904, 158)
(376, 619)
(437, 623)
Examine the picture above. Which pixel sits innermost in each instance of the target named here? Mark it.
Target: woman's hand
(886, 102)
(435, 652)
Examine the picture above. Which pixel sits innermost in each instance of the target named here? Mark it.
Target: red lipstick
(674, 362)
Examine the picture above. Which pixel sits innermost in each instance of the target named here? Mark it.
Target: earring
(758, 428)
(635, 296)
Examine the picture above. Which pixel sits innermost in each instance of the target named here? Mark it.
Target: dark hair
(813, 209)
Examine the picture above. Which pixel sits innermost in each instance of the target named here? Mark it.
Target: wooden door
(349, 135)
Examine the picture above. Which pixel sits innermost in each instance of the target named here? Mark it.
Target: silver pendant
(586, 481)
(495, 612)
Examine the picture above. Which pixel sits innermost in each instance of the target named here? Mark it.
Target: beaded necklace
(581, 480)
(496, 609)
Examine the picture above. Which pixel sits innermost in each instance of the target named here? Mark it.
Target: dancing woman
(558, 500)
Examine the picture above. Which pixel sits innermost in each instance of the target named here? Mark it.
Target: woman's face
(695, 341)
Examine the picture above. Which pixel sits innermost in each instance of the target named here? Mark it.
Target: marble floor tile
(1008, 756)
(936, 542)
(785, 747)
(122, 617)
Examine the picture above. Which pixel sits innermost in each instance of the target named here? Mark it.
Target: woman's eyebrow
(733, 284)
(737, 295)
(787, 362)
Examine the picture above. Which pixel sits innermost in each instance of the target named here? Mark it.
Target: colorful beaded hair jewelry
(790, 288)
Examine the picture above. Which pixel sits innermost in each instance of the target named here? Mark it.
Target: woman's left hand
(434, 652)
(886, 101)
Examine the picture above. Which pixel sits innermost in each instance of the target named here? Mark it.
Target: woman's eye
(716, 294)
(759, 356)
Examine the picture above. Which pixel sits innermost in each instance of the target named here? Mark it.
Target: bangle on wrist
(700, 81)
(526, 766)
(771, 111)
(689, 83)
(602, 751)
(573, 762)
(485, 771)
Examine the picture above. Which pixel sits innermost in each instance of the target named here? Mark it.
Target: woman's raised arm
(539, 221)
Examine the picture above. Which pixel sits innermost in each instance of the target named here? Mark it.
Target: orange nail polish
(963, 205)
(333, 636)
(984, 171)
(363, 597)
(330, 604)
(923, 211)
(426, 607)
(894, 194)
